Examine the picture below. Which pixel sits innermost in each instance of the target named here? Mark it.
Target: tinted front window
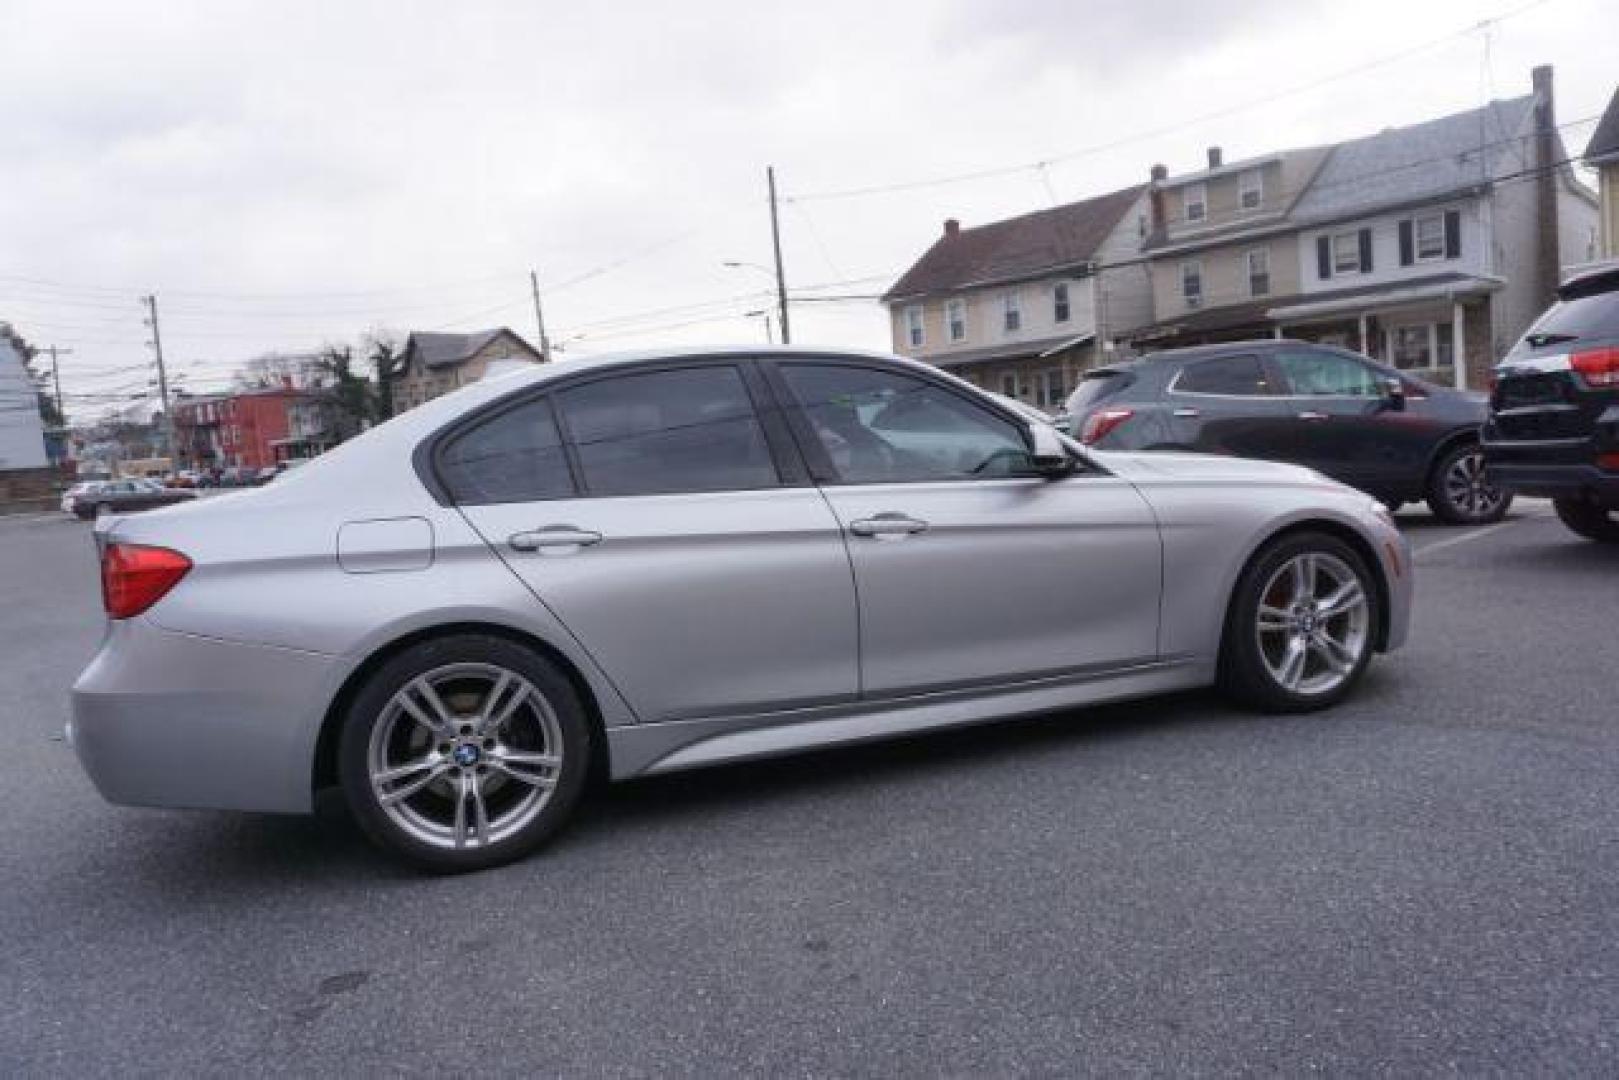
(513, 457)
(1322, 374)
(886, 427)
(1233, 376)
(688, 430)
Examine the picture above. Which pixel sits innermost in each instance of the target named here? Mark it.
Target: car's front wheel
(1302, 625)
(1591, 522)
(464, 752)
(1460, 491)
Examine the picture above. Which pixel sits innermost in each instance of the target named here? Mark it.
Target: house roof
(1604, 144)
(1017, 248)
(1009, 350)
(1421, 161)
(435, 349)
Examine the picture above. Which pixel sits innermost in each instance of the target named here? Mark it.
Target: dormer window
(1251, 189)
(1195, 202)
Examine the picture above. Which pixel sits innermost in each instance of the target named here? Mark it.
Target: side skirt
(644, 749)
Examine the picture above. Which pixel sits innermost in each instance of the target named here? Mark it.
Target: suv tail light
(1101, 423)
(1599, 367)
(134, 577)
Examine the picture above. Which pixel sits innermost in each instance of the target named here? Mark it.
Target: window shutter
(1408, 253)
(1453, 234)
(1366, 251)
(1323, 256)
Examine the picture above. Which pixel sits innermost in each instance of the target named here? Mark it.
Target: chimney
(952, 227)
(1548, 263)
(1155, 201)
(1215, 157)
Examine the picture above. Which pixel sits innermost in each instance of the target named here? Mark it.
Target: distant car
(121, 497)
(1554, 415)
(1358, 421)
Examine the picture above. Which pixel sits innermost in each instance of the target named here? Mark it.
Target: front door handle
(1187, 414)
(554, 539)
(887, 526)
(1310, 414)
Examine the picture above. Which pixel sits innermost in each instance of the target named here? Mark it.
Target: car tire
(482, 770)
(1591, 522)
(1295, 595)
(1459, 490)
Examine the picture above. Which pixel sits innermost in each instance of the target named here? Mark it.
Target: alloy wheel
(1313, 623)
(1468, 490)
(465, 755)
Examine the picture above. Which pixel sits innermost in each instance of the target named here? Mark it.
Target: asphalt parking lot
(1424, 880)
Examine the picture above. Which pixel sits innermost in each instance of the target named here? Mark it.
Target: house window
(1195, 202)
(1141, 225)
(913, 325)
(1059, 302)
(1258, 271)
(955, 317)
(1011, 312)
(1009, 384)
(1346, 253)
(1192, 283)
(1251, 189)
(1430, 233)
(1053, 389)
(1414, 346)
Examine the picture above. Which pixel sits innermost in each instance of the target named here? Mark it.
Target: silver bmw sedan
(658, 561)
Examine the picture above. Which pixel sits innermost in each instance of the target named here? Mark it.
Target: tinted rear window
(1097, 386)
(515, 457)
(1231, 376)
(1576, 320)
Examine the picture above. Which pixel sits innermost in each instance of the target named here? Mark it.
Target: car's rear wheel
(1460, 491)
(1591, 522)
(464, 752)
(1302, 625)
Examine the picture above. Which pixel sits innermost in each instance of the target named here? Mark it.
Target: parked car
(120, 497)
(1554, 414)
(1360, 422)
(657, 561)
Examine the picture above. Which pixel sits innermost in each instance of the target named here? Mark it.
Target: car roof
(1592, 282)
(1198, 352)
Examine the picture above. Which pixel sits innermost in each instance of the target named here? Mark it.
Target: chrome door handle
(888, 526)
(1187, 414)
(554, 539)
(1312, 415)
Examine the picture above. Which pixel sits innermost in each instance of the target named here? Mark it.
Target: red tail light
(134, 577)
(1599, 367)
(1099, 424)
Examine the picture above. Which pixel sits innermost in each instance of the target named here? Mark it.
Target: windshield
(1581, 319)
(1097, 386)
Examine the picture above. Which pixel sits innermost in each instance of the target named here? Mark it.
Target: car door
(1341, 420)
(970, 571)
(662, 517)
(1229, 405)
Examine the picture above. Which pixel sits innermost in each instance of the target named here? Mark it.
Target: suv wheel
(1459, 491)
(1302, 625)
(1591, 522)
(464, 752)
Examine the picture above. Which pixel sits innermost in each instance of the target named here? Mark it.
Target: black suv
(1356, 420)
(1554, 415)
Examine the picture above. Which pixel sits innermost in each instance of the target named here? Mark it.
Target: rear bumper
(1552, 469)
(168, 719)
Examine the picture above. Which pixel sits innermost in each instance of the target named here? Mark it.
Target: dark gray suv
(1338, 412)
(1554, 415)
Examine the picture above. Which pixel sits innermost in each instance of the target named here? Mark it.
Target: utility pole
(56, 377)
(162, 374)
(775, 240)
(539, 317)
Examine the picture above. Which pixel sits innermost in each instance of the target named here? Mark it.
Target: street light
(770, 337)
(781, 289)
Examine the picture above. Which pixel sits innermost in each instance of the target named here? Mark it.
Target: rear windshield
(1568, 321)
(1097, 386)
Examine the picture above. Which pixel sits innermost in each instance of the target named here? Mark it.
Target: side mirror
(1048, 454)
(1393, 393)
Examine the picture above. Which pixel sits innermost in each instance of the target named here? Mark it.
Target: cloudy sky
(286, 174)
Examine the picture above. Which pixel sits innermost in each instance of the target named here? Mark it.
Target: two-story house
(1414, 245)
(1022, 306)
(1221, 248)
(435, 363)
(1602, 154)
